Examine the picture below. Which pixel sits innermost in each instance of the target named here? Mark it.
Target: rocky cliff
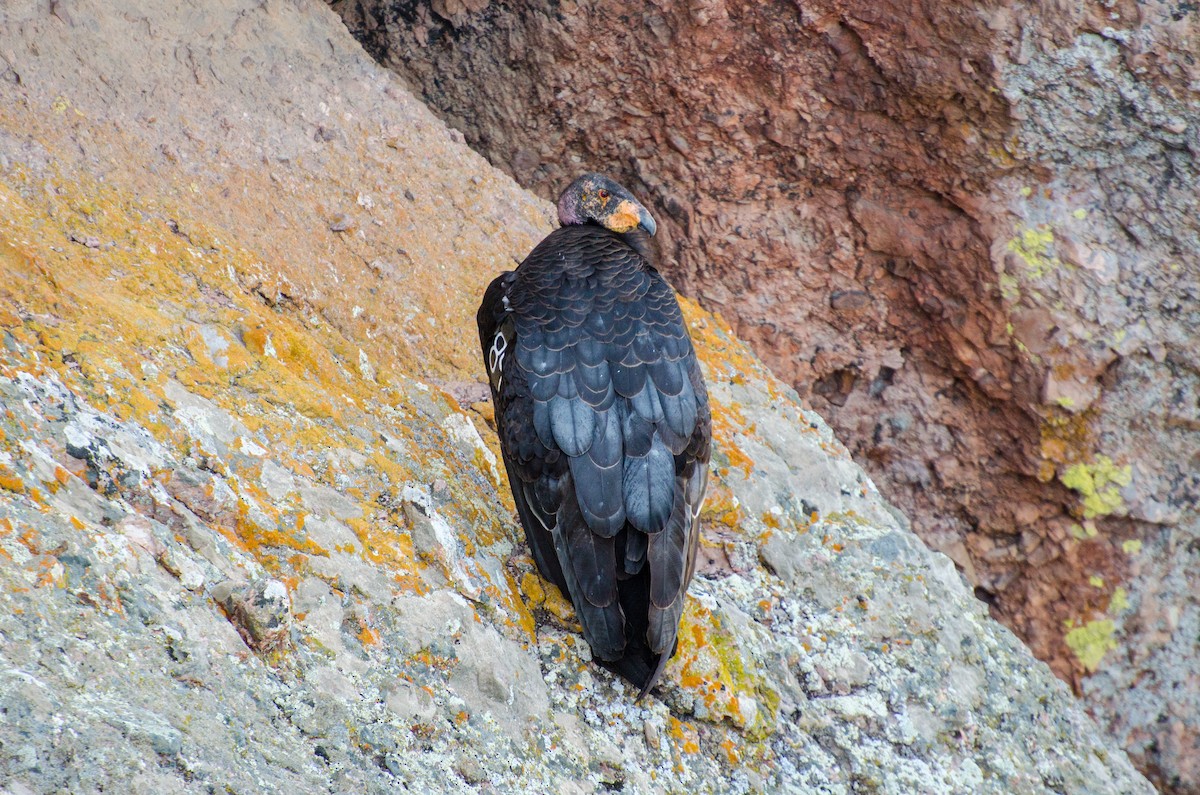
(252, 531)
(966, 232)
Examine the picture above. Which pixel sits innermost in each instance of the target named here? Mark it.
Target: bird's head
(595, 197)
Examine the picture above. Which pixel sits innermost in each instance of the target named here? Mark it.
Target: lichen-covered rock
(261, 612)
(252, 540)
(968, 232)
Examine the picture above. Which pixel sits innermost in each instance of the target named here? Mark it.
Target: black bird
(604, 423)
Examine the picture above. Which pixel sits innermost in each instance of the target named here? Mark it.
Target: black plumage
(604, 423)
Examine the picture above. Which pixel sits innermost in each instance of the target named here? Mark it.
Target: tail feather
(639, 666)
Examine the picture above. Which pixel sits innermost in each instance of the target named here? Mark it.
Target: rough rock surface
(254, 541)
(968, 233)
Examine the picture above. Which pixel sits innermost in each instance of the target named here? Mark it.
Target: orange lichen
(725, 433)
(51, 572)
(722, 507)
(686, 738)
(392, 472)
(30, 540)
(118, 324)
(511, 599)
(732, 756)
(10, 481)
(1066, 439)
(384, 545)
(255, 538)
(722, 679)
(531, 586)
(550, 598)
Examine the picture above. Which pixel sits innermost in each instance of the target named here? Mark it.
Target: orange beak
(628, 216)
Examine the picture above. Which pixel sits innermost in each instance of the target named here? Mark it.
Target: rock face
(253, 532)
(968, 234)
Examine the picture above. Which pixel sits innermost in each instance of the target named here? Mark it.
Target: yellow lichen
(1090, 642)
(1084, 531)
(1034, 246)
(1099, 485)
(1010, 290)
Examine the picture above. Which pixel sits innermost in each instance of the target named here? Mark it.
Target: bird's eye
(604, 195)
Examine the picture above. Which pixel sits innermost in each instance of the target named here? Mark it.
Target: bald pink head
(595, 197)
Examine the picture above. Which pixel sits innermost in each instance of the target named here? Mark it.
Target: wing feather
(573, 422)
(648, 487)
(589, 568)
(597, 477)
(635, 551)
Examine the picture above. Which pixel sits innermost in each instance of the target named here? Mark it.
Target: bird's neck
(639, 241)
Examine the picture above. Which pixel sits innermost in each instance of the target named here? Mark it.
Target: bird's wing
(659, 377)
(527, 462)
(528, 408)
